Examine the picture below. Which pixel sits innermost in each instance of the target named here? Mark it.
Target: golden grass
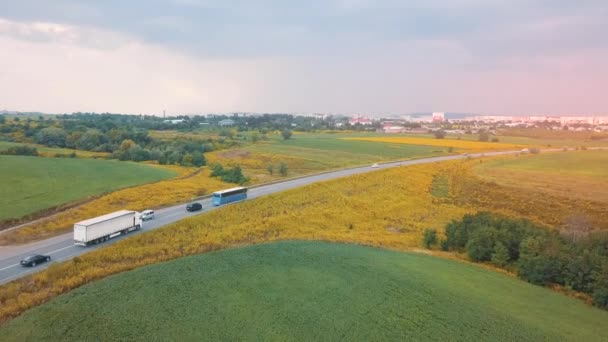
(459, 144)
(388, 208)
(255, 164)
(190, 183)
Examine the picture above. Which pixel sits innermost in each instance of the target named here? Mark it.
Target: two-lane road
(62, 247)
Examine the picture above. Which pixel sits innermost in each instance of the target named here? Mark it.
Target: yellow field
(459, 144)
(388, 208)
(254, 164)
(191, 183)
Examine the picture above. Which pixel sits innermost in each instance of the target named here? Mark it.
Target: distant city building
(529, 120)
(438, 117)
(174, 121)
(360, 120)
(226, 122)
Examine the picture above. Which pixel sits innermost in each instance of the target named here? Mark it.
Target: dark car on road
(34, 260)
(194, 206)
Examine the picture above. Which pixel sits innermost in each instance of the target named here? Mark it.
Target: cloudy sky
(342, 56)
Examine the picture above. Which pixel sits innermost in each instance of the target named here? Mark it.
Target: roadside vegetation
(29, 184)
(189, 184)
(575, 258)
(405, 202)
(311, 291)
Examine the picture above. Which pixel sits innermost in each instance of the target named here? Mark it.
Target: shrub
(439, 134)
(283, 169)
(500, 257)
(481, 244)
(484, 135)
(21, 150)
(429, 238)
(286, 134)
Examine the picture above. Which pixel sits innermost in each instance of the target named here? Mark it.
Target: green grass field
(333, 150)
(581, 174)
(310, 291)
(32, 184)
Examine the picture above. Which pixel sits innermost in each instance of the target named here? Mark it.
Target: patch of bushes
(21, 151)
(230, 175)
(539, 256)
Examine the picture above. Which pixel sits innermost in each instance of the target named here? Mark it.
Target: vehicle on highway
(229, 195)
(147, 215)
(375, 165)
(34, 260)
(194, 206)
(102, 228)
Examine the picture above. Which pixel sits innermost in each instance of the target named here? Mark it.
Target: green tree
(484, 135)
(286, 134)
(480, 245)
(187, 160)
(429, 238)
(439, 134)
(51, 136)
(500, 257)
(283, 169)
(270, 169)
(255, 137)
(198, 159)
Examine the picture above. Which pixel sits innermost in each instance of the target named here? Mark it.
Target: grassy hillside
(311, 291)
(31, 184)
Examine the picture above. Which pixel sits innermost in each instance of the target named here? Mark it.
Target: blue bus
(229, 195)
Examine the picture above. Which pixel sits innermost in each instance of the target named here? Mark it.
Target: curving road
(62, 247)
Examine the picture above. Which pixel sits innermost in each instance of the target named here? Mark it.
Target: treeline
(575, 258)
(125, 137)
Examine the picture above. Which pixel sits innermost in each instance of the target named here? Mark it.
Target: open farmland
(32, 184)
(403, 202)
(464, 145)
(311, 291)
(582, 174)
(306, 153)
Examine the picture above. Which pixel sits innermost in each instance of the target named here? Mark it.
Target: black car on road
(34, 260)
(194, 206)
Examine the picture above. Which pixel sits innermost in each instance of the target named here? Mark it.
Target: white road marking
(7, 267)
(60, 249)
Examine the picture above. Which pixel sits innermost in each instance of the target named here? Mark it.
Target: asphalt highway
(62, 247)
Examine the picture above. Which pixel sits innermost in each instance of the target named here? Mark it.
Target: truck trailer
(104, 227)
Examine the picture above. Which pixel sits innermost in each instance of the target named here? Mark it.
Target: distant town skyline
(342, 56)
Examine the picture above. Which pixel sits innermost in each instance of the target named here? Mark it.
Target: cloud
(46, 32)
(193, 56)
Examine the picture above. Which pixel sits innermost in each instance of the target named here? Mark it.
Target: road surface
(62, 247)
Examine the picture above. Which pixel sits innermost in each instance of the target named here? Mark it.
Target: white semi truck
(104, 227)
